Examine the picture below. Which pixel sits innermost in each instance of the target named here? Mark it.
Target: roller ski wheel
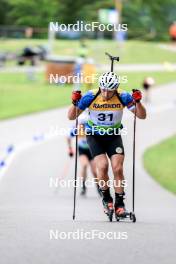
(108, 210)
(132, 217)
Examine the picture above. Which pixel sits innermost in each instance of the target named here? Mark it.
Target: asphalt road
(31, 210)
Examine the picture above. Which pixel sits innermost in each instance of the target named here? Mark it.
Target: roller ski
(120, 212)
(108, 209)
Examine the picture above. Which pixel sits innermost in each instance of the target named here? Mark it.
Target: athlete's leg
(102, 165)
(117, 167)
(102, 170)
(102, 174)
(98, 153)
(94, 173)
(93, 169)
(117, 161)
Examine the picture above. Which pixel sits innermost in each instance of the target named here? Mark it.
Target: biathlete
(105, 106)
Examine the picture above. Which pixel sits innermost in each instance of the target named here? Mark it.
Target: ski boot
(107, 203)
(120, 211)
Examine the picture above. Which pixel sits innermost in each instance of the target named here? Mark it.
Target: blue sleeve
(127, 100)
(86, 100)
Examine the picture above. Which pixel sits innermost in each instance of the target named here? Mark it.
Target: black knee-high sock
(119, 197)
(106, 195)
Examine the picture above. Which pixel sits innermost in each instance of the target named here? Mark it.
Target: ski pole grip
(112, 57)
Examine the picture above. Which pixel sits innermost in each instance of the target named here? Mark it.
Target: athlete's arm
(140, 111)
(130, 101)
(73, 110)
(83, 103)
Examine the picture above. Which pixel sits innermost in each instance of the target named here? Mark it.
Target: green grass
(131, 52)
(160, 162)
(18, 96)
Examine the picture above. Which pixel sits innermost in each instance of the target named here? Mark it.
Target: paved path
(155, 67)
(150, 67)
(30, 208)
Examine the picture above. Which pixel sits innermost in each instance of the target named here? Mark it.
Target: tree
(144, 16)
(4, 7)
(36, 13)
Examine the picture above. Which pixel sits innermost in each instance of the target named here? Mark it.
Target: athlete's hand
(70, 152)
(137, 95)
(76, 96)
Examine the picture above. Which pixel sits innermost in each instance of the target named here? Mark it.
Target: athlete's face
(106, 94)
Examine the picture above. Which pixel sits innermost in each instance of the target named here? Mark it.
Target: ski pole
(112, 58)
(134, 160)
(76, 163)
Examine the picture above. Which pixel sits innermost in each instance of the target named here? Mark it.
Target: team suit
(105, 121)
